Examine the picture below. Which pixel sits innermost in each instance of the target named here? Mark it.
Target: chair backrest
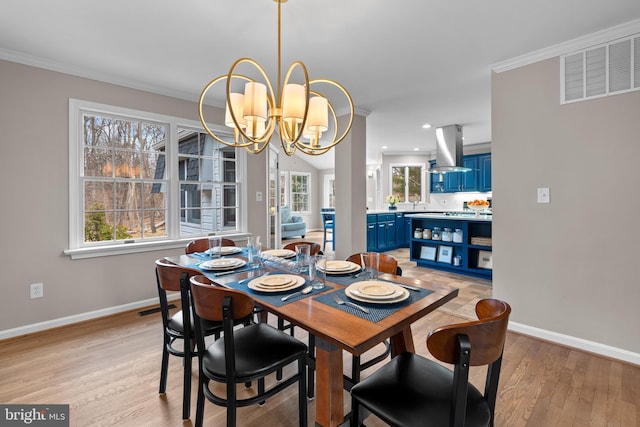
(168, 275)
(315, 247)
(328, 215)
(388, 263)
(201, 245)
(486, 335)
(208, 300)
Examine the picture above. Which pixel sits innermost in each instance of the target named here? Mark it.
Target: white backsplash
(445, 202)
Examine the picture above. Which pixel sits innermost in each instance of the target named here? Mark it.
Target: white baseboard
(63, 321)
(578, 343)
(569, 341)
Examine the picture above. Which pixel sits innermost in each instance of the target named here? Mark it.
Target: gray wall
(34, 171)
(569, 267)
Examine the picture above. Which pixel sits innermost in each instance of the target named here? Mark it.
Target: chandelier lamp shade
(304, 118)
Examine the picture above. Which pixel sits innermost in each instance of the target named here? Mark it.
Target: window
(407, 182)
(283, 189)
(141, 177)
(300, 190)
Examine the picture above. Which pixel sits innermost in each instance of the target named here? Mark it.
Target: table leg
(402, 342)
(329, 392)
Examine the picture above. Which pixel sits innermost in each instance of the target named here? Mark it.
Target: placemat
(377, 312)
(274, 298)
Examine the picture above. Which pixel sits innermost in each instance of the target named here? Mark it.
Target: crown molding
(600, 37)
(59, 67)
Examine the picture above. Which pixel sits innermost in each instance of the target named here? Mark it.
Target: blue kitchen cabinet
(484, 163)
(372, 238)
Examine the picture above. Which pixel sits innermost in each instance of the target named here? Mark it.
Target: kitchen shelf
(469, 252)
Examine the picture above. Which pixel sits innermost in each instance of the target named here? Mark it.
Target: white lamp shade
(255, 101)
(237, 104)
(318, 118)
(256, 127)
(293, 101)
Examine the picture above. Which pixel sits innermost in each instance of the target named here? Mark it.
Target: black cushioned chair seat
(259, 348)
(176, 323)
(422, 398)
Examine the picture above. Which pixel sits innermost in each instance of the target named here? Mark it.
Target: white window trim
(423, 179)
(77, 250)
(284, 190)
(308, 175)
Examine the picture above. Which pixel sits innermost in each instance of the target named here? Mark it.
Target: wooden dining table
(336, 330)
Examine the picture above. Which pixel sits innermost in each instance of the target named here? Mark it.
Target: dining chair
(388, 263)
(177, 327)
(241, 355)
(315, 248)
(328, 225)
(412, 390)
(202, 245)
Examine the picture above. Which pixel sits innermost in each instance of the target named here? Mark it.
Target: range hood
(449, 157)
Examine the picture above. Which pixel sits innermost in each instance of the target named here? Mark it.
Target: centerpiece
(392, 200)
(478, 205)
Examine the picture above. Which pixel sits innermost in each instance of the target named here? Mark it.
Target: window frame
(293, 174)
(77, 247)
(406, 166)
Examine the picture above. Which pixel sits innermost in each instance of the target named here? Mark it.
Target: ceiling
(404, 62)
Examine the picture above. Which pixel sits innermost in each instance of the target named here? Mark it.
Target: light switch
(543, 195)
(258, 196)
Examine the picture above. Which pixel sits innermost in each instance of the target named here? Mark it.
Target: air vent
(600, 71)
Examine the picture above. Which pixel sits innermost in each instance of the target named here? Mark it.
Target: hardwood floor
(107, 370)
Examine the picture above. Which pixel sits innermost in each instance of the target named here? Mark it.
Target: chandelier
(299, 111)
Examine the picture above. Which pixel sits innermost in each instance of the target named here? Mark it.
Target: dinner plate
(226, 250)
(276, 283)
(222, 264)
(282, 253)
(339, 267)
(400, 295)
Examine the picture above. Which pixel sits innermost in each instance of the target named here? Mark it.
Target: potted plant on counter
(392, 200)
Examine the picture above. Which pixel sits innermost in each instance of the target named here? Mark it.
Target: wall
(34, 118)
(569, 267)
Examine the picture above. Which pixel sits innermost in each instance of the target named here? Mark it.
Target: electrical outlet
(36, 290)
(258, 196)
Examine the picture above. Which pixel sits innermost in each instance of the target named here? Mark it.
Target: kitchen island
(459, 243)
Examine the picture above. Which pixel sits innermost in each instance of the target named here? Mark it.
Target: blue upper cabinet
(485, 172)
(477, 179)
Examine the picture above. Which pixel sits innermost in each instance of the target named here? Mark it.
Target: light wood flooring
(107, 370)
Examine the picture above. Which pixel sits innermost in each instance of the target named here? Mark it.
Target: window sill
(131, 248)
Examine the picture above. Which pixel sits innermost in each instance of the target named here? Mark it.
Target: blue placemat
(274, 298)
(377, 312)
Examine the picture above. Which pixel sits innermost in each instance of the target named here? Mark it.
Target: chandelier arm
(351, 108)
(269, 129)
(235, 144)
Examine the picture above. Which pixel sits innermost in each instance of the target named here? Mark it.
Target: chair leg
(231, 404)
(355, 370)
(311, 369)
(200, 404)
(302, 387)
(164, 368)
(261, 390)
(186, 383)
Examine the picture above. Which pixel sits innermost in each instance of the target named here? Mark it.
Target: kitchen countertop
(407, 210)
(462, 217)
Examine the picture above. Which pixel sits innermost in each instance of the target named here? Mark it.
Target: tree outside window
(406, 183)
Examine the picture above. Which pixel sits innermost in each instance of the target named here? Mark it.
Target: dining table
(336, 327)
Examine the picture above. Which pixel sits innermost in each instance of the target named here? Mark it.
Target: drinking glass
(317, 276)
(254, 247)
(215, 246)
(370, 264)
(303, 252)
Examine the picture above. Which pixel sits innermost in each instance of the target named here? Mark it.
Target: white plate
(222, 264)
(226, 250)
(274, 285)
(401, 295)
(282, 253)
(339, 267)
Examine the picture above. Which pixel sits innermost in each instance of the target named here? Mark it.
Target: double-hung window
(407, 182)
(300, 189)
(139, 177)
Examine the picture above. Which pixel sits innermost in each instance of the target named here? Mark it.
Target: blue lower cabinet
(386, 232)
(372, 237)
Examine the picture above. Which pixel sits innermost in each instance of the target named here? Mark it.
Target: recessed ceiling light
(426, 126)
(384, 147)
(416, 149)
